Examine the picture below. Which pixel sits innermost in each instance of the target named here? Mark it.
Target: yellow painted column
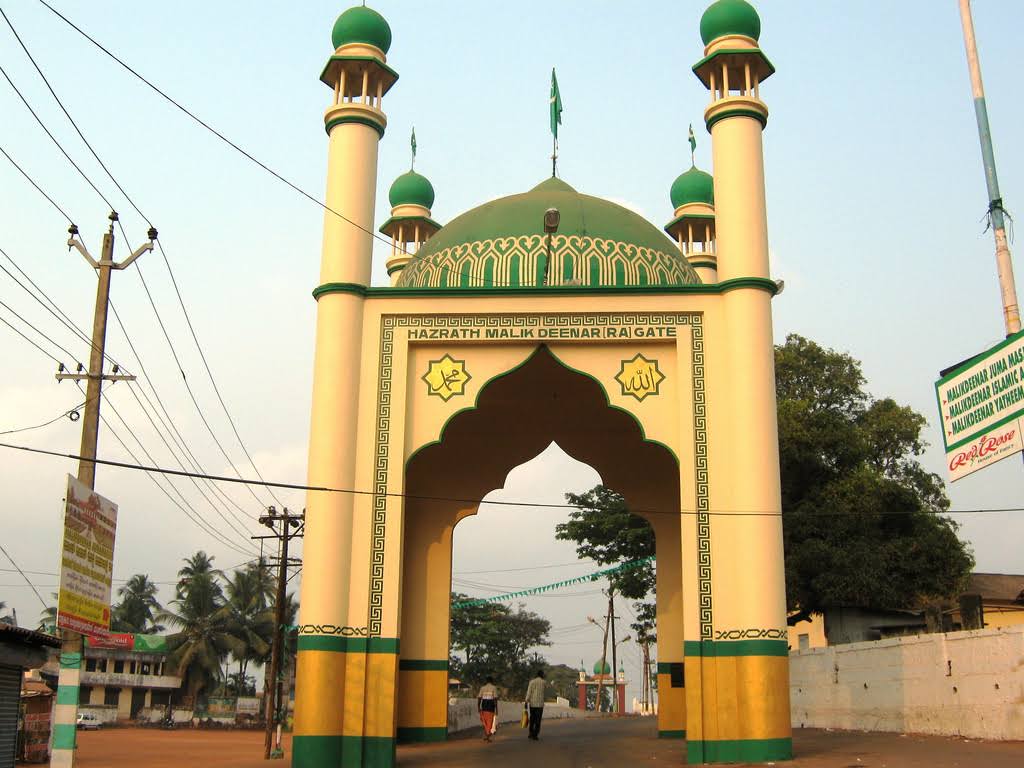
(738, 694)
(669, 602)
(332, 648)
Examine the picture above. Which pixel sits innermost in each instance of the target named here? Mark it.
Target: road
(593, 743)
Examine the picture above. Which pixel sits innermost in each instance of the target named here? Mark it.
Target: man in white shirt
(535, 703)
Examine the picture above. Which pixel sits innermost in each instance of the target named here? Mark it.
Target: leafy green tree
(495, 640)
(862, 518)
(138, 608)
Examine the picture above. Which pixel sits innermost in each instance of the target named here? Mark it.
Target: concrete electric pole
(72, 643)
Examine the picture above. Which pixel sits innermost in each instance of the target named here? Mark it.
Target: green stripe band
(70, 661)
(354, 119)
(64, 736)
(726, 113)
(67, 694)
(760, 283)
(672, 734)
(739, 750)
(665, 667)
(736, 648)
(321, 751)
(421, 735)
(423, 665)
(348, 644)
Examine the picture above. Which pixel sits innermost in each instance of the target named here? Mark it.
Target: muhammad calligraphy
(446, 377)
(640, 377)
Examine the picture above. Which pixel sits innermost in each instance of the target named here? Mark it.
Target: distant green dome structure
(411, 188)
(503, 244)
(361, 25)
(693, 186)
(729, 17)
(597, 668)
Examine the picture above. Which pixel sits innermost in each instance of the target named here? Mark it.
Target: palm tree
(5, 619)
(249, 591)
(138, 607)
(48, 617)
(205, 623)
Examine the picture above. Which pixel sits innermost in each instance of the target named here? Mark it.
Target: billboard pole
(996, 212)
(72, 643)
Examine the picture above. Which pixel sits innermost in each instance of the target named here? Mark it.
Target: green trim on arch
(63, 736)
(422, 735)
(738, 112)
(760, 283)
(336, 644)
(739, 750)
(736, 648)
(423, 665)
(396, 268)
(354, 119)
(677, 734)
(708, 264)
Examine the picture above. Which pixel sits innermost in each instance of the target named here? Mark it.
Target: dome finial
(693, 148)
(412, 143)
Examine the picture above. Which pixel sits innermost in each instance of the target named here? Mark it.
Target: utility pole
(69, 676)
(291, 526)
(615, 673)
(996, 212)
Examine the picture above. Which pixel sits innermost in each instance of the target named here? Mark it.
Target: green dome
(411, 189)
(361, 25)
(694, 186)
(729, 17)
(502, 244)
(597, 668)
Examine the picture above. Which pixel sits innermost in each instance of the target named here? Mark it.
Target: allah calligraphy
(446, 377)
(640, 377)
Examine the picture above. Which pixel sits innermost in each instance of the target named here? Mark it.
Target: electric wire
(58, 417)
(716, 512)
(30, 341)
(38, 188)
(48, 338)
(27, 581)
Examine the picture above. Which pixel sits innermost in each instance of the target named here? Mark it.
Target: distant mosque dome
(693, 186)
(502, 244)
(597, 668)
(411, 189)
(361, 25)
(729, 17)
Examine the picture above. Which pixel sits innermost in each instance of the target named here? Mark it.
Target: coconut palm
(199, 566)
(249, 591)
(48, 617)
(138, 607)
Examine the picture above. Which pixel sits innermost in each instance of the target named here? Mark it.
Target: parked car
(88, 721)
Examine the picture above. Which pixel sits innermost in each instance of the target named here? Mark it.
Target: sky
(875, 198)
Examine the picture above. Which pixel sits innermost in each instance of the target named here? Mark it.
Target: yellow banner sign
(87, 561)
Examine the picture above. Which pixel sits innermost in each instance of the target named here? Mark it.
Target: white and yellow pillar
(333, 647)
(736, 642)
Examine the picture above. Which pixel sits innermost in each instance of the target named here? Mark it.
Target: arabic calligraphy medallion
(446, 377)
(640, 377)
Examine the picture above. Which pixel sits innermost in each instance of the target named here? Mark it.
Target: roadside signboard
(87, 561)
(981, 403)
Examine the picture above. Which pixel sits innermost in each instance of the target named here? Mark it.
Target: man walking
(535, 703)
(487, 706)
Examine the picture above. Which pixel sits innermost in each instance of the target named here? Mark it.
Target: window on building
(111, 695)
(118, 667)
(805, 642)
(90, 665)
(160, 698)
(84, 694)
(145, 668)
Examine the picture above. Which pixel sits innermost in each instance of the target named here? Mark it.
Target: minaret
(738, 688)
(329, 672)
(410, 225)
(693, 225)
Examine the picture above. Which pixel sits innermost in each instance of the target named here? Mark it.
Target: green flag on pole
(413, 144)
(556, 105)
(693, 144)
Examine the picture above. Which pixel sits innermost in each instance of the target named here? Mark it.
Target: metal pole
(615, 673)
(1004, 266)
(270, 695)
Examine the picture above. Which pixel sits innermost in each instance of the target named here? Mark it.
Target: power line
(38, 188)
(26, 322)
(27, 581)
(530, 568)
(58, 417)
(461, 500)
(26, 338)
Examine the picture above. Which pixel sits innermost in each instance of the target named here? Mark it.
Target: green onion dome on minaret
(693, 186)
(412, 188)
(361, 25)
(602, 668)
(549, 236)
(729, 17)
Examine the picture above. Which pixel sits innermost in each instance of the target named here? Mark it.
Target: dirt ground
(570, 743)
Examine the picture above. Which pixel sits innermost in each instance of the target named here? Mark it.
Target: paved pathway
(618, 743)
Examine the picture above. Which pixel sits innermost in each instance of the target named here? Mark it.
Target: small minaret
(693, 224)
(410, 225)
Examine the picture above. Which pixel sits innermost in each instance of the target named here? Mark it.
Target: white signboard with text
(87, 561)
(981, 404)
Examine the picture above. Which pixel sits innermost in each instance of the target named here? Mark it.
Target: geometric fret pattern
(517, 261)
(578, 320)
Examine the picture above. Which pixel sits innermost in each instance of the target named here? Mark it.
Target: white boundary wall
(959, 684)
(462, 714)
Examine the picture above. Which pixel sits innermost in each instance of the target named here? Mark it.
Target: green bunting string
(556, 585)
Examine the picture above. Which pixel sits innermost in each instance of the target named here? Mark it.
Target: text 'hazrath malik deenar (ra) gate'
(545, 316)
